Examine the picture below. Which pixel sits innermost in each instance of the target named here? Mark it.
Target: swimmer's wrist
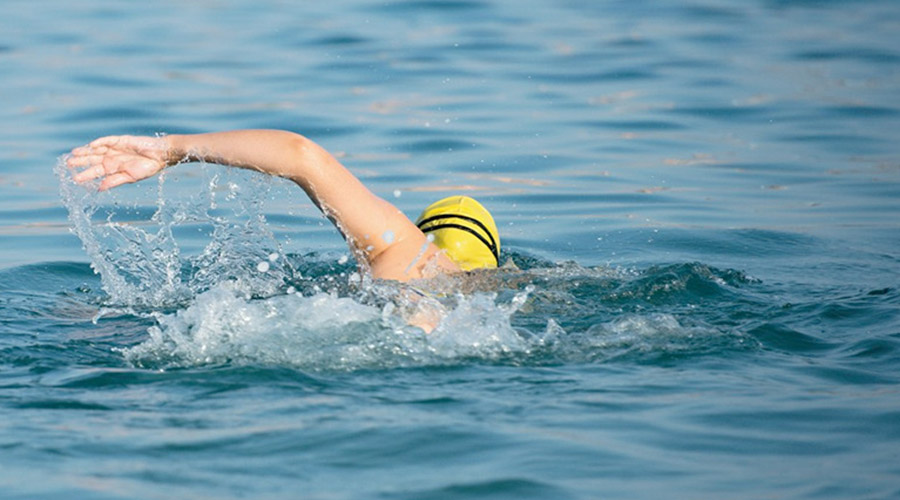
(175, 149)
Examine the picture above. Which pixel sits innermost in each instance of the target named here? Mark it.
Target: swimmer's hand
(120, 159)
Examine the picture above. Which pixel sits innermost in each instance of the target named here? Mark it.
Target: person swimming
(451, 235)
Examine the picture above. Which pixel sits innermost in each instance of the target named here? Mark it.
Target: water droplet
(388, 236)
(262, 267)
(273, 257)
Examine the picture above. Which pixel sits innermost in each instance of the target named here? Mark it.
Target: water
(701, 199)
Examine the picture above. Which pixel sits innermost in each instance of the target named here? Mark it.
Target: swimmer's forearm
(274, 152)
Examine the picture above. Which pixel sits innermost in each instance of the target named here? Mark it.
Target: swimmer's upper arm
(391, 245)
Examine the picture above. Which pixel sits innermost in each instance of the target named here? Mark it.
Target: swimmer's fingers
(118, 160)
(84, 158)
(117, 172)
(100, 165)
(111, 142)
(116, 144)
(92, 172)
(94, 163)
(99, 146)
(121, 169)
(142, 145)
(115, 180)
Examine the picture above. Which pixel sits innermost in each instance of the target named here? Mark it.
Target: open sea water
(701, 200)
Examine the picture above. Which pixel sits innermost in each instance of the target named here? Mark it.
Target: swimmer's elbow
(299, 149)
(425, 318)
(306, 160)
(427, 325)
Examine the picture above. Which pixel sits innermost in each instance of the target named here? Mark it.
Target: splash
(323, 331)
(527, 320)
(135, 243)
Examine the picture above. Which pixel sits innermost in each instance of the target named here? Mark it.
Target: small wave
(657, 336)
(681, 283)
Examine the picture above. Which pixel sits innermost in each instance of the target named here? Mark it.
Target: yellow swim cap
(464, 230)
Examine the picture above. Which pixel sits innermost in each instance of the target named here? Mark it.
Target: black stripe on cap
(488, 242)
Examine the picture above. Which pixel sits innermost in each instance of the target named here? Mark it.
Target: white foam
(322, 332)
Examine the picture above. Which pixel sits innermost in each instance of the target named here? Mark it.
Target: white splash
(322, 331)
(132, 242)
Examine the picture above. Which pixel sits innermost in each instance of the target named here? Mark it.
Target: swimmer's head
(464, 230)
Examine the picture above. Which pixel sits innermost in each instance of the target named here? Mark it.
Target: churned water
(699, 206)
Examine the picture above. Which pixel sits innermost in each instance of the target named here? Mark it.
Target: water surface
(701, 200)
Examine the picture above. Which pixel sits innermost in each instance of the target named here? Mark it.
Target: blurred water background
(702, 198)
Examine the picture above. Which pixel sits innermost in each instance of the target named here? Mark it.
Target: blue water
(701, 200)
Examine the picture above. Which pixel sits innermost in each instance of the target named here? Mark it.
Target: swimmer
(452, 235)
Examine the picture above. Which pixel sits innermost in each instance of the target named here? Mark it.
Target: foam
(323, 331)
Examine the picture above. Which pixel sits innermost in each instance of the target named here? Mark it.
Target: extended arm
(382, 238)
